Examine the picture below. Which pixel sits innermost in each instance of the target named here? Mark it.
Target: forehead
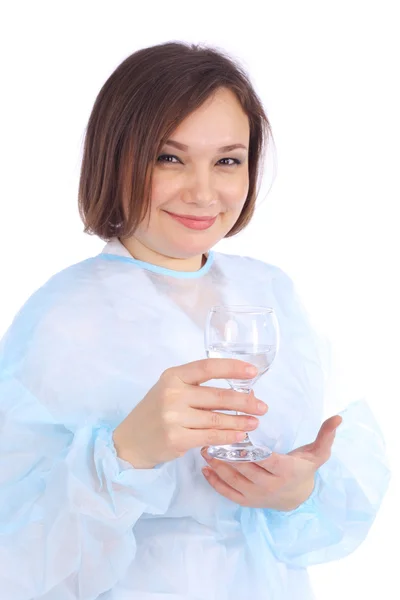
(218, 122)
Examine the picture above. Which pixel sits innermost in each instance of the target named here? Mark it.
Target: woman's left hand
(280, 482)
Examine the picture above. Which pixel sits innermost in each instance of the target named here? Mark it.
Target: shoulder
(264, 272)
(268, 281)
(66, 294)
(64, 286)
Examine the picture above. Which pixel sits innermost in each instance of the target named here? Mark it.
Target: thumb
(321, 448)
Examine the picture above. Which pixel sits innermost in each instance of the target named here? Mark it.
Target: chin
(184, 254)
(191, 250)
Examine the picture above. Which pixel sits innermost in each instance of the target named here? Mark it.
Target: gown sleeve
(68, 504)
(350, 486)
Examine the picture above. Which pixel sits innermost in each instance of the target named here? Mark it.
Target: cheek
(234, 195)
(164, 186)
(238, 186)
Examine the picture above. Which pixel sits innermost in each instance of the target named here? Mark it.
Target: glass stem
(246, 439)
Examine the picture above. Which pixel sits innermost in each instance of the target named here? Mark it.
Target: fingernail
(262, 407)
(206, 472)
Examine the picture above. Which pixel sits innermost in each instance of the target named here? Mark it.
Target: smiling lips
(199, 223)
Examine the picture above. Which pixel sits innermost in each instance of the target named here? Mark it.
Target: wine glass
(250, 334)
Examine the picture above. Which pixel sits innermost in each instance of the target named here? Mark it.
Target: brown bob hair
(139, 106)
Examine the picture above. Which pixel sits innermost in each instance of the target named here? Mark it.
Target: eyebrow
(185, 148)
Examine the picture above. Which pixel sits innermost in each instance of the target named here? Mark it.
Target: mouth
(192, 222)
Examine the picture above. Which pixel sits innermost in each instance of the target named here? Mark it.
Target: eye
(170, 158)
(164, 158)
(236, 161)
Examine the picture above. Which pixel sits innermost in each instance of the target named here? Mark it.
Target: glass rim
(241, 308)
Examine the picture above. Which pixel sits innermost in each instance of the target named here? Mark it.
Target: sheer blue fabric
(78, 523)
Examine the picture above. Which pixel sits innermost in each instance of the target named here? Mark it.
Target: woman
(107, 490)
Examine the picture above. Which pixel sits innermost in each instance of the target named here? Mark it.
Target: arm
(68, 504)
(350, 486)
(348, 492)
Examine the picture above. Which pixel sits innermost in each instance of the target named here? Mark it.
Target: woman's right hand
(178, 414)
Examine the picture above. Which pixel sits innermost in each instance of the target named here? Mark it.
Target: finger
(220, 399)
(200, 371)
(222, 487)
(255, 474)
(321, 448)
(206, 419)
(195, 438)
(251, 471)
(330, 425)
(277, 464)
(310, 450)
(232, 476)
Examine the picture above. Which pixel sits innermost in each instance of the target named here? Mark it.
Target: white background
(328, 75)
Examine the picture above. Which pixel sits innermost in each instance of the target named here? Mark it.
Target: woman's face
(194, 176)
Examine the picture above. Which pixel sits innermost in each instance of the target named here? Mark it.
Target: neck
(141, 252)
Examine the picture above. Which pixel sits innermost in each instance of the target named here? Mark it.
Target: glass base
(239, 452)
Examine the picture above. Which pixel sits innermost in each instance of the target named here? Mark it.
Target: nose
(200, 189)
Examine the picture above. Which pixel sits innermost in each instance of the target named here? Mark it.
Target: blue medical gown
(77, 522)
